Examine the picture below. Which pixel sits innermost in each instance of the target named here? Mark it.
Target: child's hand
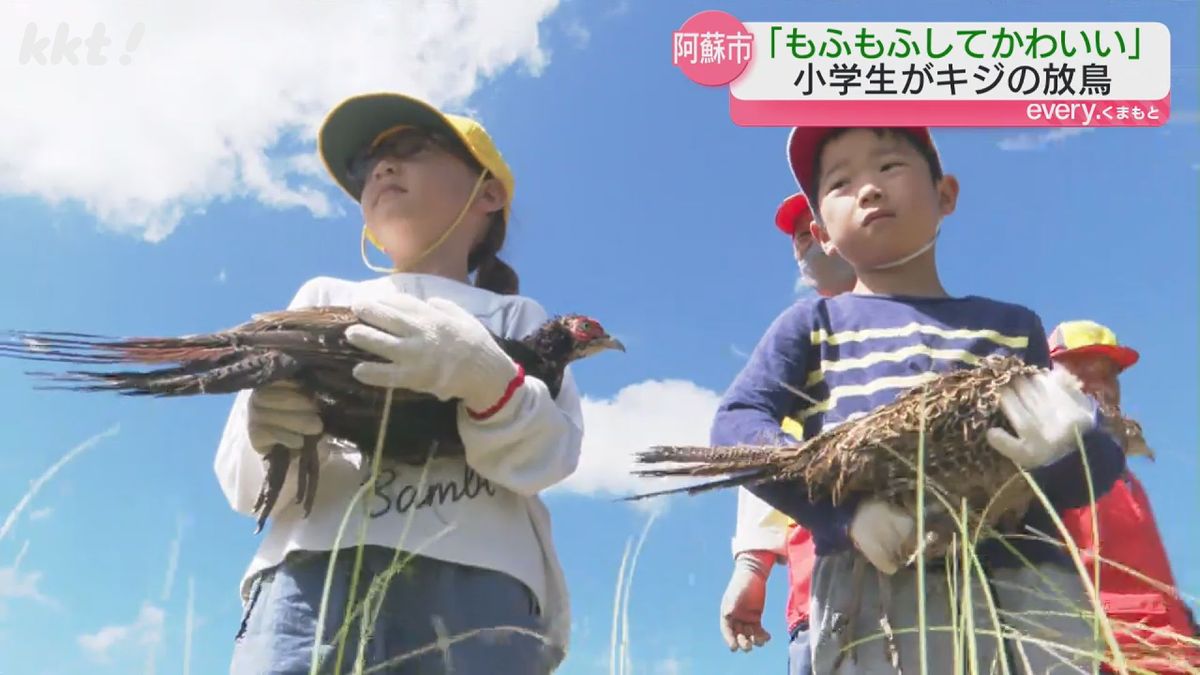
(1046, 410)
(432, 346)
(883, 534)
(742, 604)
(281, 414)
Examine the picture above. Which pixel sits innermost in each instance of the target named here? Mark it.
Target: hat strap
(911, 256)
(441, 240)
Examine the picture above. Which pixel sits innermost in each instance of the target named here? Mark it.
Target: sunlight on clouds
(639, 416)
(183, 113)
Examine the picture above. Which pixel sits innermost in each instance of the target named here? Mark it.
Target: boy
(879, 196)
(763, 535)
(1128, 536)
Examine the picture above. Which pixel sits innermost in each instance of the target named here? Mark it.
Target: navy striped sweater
(853, 353)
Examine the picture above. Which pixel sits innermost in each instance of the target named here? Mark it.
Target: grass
(966, 578)
(964, 566)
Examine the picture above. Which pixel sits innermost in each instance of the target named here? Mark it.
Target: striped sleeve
(757, 403)
(762, 395)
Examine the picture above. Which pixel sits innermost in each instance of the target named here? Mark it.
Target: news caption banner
(977, 74)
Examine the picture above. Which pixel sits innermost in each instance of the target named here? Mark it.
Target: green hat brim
(359, 120)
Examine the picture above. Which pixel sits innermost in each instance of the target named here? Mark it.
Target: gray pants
(1046, 604)
(428, 600)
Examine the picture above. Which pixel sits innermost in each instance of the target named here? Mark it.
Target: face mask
(824, 272)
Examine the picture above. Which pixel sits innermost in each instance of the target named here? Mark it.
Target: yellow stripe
(876, 385)
(791, 426)
(960, 355)
(775, 518)
(1013, 341)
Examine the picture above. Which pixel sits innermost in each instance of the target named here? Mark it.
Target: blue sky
(638, 202)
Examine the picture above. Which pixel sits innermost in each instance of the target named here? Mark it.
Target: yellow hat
(359, 121)
(1089, 337)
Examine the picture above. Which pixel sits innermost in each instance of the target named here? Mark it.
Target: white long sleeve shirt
(759, 527)
(484, 511)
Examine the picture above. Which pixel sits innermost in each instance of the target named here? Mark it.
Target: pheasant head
(572, 337)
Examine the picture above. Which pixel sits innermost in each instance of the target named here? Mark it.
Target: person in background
(764, 536)
(1146, 616)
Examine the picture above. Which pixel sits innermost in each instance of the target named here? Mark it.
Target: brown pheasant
(877, 455)
(309, 347)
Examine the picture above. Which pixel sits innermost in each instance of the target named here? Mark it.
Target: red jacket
(800, 557)
(1129, 537)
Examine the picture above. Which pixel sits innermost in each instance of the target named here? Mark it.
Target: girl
(435, 196)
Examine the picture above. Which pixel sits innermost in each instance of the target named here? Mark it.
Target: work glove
(280, 413)
(433, 346)
(1046, 411)
(885, 535)
(742, 604)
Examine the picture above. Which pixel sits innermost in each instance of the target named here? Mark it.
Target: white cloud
(670, 412)
(1040, 139)
(669, 666)
(145, 631)
(37, 484)
(621, 8)
(1184, 117)
(222, 277)
(578, 33)
(15, 583)
(41, 514)
(172, 561)
(149, 134)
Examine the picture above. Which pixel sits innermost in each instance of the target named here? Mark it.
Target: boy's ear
(947, 189)
(821, 236)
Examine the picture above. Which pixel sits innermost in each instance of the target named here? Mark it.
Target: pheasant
(306, 346)
(877, 455)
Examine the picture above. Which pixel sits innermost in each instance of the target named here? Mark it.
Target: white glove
(281, 414)
(433, 346)
(1045, 410)
(742, 604)
(884, 534)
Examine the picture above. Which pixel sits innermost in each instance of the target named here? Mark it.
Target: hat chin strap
(911, 256)
(362, 244)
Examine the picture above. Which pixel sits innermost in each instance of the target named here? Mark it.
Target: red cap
(792, 211)
(1089, 337)
(804, 141)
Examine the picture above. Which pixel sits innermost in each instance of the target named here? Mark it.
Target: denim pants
(800, 651)
(434, 617)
